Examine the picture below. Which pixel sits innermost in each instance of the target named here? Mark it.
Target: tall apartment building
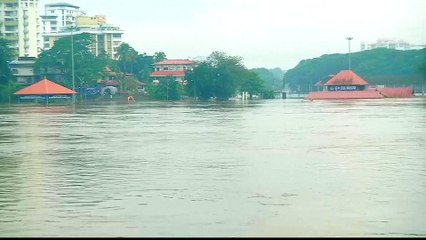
(107, 38)
(19, 23)
(57, 16)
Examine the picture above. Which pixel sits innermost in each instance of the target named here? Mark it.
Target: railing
(11, 23)
(11, 38)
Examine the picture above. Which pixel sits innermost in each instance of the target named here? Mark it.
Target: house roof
(178, 73)
(44, 87)
(346, 77)
(175, 62)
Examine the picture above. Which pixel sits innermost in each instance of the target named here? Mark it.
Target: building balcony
(11, 23)
(10, 1)
(10, 32)
(11, 38)
(11, 16)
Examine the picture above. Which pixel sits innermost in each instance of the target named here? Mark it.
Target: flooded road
(260, 168)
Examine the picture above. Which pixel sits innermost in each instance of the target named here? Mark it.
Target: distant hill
(379, 66)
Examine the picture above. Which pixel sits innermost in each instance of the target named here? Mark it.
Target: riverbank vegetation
(219, 77)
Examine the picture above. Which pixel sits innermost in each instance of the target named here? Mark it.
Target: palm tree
(127, 56)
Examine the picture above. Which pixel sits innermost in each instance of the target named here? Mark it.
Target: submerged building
(348, 85)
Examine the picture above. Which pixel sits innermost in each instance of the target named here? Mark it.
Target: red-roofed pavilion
(348, 85)
(346, 80)
(44, 89)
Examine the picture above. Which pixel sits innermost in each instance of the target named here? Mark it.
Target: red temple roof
(346, 77)
(44, 87)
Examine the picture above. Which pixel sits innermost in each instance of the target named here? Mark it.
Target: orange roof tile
(44, 87)
(346, 77)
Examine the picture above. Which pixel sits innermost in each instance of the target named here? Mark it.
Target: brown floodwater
(257, 168)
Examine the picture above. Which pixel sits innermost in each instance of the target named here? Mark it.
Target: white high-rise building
(19, 23)
(107, 38)
(391, 44)
(57, 16)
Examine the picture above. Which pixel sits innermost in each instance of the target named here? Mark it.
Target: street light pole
(167, 89)
(72, 64)
(349, 46)
(195, 89)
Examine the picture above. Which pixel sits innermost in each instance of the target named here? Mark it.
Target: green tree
(252, 84)
(106, 61)
(7, 81)
(127, 58)
(58, 60)
(159, 56)
(218, 77)
(272, 78)
(200, 81)
(168, 89)
(144, 67)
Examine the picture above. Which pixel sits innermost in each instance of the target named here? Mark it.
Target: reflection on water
(267, 168)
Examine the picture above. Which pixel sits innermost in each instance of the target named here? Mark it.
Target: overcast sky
(265, 33)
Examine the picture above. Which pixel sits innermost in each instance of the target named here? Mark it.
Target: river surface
(258, 168)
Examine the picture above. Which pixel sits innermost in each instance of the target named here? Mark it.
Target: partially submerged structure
(44, 90)
(348, 85)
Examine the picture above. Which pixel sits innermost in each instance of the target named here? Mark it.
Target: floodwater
(257, 168)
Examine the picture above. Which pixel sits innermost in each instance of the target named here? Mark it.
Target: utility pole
(349, 45)
(167, 89)
(72, 64)
(195, 89)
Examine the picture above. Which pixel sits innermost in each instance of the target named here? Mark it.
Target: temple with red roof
(348, 85)
(45, 89)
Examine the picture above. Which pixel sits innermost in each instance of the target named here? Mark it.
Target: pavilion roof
(44, 87)
(346, 77)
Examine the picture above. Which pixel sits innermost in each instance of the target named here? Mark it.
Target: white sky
(265, 33)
